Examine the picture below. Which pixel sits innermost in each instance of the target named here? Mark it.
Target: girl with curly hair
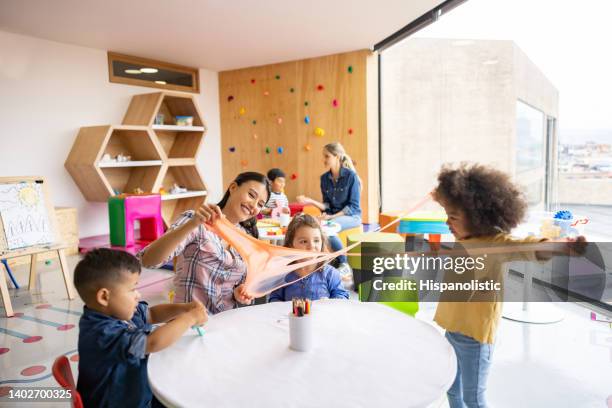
(483, 205)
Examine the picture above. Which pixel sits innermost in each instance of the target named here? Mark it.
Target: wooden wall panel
(269, 99)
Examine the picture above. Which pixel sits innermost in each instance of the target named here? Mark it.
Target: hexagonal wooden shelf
(161, 154)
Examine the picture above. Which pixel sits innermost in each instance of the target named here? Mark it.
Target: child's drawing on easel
(24, 215)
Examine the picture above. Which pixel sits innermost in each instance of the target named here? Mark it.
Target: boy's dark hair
(491, 202)
(275, 173)
(101, 268)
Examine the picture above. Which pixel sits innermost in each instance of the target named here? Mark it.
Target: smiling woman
(208, 269)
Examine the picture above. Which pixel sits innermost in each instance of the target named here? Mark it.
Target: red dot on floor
(18, 314)
(4, 350)
(33, 370)
(65, 327)
(32, 339)
(46, 306)
(4, 391)
(74, 358)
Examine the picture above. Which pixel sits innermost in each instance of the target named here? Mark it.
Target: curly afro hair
(491, 202)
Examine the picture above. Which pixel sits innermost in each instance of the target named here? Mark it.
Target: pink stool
(125, 210)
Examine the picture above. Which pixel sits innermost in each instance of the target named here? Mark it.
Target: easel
(32, 251)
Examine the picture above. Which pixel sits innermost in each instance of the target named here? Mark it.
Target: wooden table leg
(67, 281)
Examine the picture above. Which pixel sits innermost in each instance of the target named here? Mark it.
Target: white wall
(48, 90)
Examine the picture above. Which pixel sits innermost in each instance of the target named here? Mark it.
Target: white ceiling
(214, 34)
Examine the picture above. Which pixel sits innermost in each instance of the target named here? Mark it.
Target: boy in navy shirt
(115, 332)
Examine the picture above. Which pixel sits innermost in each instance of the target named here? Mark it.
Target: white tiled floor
(566, 364)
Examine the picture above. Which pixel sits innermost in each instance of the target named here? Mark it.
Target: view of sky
(567, 40)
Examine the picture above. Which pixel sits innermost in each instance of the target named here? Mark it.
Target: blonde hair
(337, 150)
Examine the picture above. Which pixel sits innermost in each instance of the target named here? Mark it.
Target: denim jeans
(346, 222)
(473, 363)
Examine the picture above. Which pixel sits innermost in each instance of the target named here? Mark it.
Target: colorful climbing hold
(293, 176)
(350, 69)
(320, 87)
(319, 132)
(350, 131)
(335, 103)
(277, 76)
(255, 136)
(244, 163)
(280, 150)
(253, 80)
(291, 90)
(307, 120)
(307, 147)
(266, 93)
(242, 111)
(232, 149)
(267, 150)
(305, 103)
(279, 121)
(48, 262)
(254, 122)
(230, 98)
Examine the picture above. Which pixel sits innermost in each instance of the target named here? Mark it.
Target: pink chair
(126, 209)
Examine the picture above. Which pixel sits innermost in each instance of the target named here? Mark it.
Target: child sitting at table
(115, 332)
(277, 196)
(483, 206)
(304, 232)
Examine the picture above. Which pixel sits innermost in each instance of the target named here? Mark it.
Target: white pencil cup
(300, 332)
(284, 219)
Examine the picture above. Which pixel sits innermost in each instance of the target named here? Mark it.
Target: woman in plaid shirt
(208, 269)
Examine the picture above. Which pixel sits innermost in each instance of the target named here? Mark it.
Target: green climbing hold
(291, 90)
(48, 262)
(267, 150)
(350, 69)
(277, 77)
(254, 122)
(306, 103)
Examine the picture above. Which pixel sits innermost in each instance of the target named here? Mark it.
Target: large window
(504, 83)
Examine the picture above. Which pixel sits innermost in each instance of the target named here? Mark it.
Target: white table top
(365, 354)
(330, 228)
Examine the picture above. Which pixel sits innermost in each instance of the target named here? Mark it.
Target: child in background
(482, 206)
(208, 269)
(304, 232)
(115, 332)
(277, 196)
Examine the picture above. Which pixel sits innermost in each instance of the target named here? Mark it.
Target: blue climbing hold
(307, 120)
(280, 150)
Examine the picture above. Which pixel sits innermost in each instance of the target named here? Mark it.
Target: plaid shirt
(205, 269)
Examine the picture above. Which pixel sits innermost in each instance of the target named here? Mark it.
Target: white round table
(330, 228)
(365, 354)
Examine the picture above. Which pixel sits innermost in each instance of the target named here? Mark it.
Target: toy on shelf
(563, 224)
(138, 191)
(176, 189)
(184, 120)
(120, 158)
(124, 210)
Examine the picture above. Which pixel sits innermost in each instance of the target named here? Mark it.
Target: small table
(365, 354)
(328, 227)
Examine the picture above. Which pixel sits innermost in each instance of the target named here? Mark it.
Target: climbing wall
(282, 115)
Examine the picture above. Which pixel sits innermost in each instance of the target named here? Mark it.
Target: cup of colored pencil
(300, 325)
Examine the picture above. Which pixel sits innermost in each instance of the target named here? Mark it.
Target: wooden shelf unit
(160, 154)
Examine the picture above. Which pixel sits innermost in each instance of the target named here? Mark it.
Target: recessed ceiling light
(490, 62)
(161, 82)
(460, 43)
(133, 71)
(148, 70)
